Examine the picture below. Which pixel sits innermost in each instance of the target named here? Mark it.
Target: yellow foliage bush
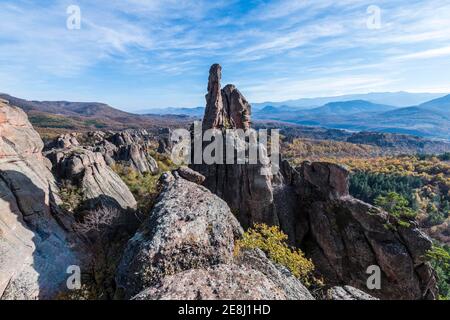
(272, 241)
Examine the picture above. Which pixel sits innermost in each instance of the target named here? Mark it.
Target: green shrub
(273, 243)
(71, 196)
(439, 257)
(397, 206)
(144, 187)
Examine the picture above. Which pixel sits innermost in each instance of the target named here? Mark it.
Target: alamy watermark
(373, 22)
(73, 21)
(374, 280)
(231, 146)
(74, 280)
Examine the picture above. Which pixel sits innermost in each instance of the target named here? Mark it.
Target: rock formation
(185, 250)
(129, 148)
(99, 184)
(214, 112)
(311, 204)
(344, 236)
(164, 141)
(348, 293)
(225, 107)
(36, 247)
(248, 192)
(132, 150)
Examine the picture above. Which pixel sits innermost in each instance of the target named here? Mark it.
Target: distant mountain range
(52, 117)
(430, 118)
(397, 99)
(193, 112)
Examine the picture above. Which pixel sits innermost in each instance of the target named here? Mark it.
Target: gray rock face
(283, 279)
(185, 250)
(164, 141)
(219, 282)
(129, 148)
(348, 293)
(188, 228)
(67, 141)
(100, 185)
(35, 245)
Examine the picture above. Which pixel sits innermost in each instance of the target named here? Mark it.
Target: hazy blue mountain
(397, 99)
(193, 112)
(428, 119)
(350, 107)
(440, 105)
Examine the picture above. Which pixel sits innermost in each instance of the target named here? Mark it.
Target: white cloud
(426, 54)
(314, 45)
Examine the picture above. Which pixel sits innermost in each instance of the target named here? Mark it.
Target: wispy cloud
(316, 47)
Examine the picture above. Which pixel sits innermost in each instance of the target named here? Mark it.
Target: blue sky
(136, 54)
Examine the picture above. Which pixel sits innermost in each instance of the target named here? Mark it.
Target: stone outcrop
(236, 107)
(214, 112)
(344, 236)
(311, 204)
(188, 228)
(129, 148)
(164, 141)
(67, 141)
(225, 107)
(185, 250)
(36, 247)
(247, 188)
(348, 293)
(99, 184)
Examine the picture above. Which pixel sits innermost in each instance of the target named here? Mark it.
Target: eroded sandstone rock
(348, 293)
(99, 184)
(247, 188)
(185, 250)
(36, 246)
(188, 228)
(344, 236)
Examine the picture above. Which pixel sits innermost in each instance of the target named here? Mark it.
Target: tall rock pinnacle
(214, 106)
(227, 107)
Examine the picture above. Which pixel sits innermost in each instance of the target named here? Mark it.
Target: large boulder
(188, 228)
(185, 250)
(36, 247)
(221, 282)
